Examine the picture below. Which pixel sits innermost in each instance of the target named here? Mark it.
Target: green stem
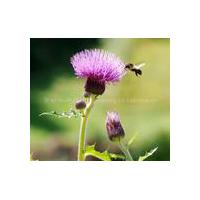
(81, 146)
(125, 151)
(84, 119)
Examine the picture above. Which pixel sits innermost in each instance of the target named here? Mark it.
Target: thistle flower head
(113, 126)
(99, 67)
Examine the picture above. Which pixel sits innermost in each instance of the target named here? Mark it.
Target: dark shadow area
(50, 59)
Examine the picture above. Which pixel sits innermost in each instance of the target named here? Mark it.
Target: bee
(135, 68)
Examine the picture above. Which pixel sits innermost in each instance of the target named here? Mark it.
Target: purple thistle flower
(99, 67)
(113, 126)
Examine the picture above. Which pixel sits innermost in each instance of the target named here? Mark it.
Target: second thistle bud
(80, 105)
(113, 126)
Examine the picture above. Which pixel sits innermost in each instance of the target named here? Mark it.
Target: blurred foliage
(142, 102)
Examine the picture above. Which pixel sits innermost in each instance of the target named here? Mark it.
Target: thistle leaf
(105, 156)
(90, 151)
(147, 154)
(117, 157)
(69, 114)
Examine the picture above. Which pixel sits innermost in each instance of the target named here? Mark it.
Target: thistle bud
(113, 126)
(80, 104)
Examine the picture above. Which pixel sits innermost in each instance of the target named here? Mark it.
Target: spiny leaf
(69, 114)
(90, 151)
(105, 156)
(117, 157)
(147, 154)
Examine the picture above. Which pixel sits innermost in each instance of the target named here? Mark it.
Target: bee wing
(139, 65)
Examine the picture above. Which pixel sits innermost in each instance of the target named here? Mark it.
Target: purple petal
(99, 65)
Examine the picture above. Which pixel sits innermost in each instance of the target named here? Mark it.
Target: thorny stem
(82, 134)
(125, 151)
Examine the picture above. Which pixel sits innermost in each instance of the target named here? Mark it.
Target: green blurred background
(142, 102)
